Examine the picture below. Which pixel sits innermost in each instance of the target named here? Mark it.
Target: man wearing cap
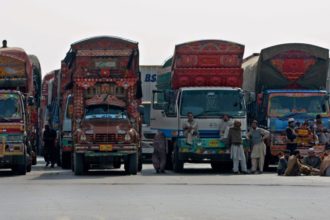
(312, 160)
(257, 136)
(291, 136)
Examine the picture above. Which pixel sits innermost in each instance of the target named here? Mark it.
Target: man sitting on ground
(312, 160)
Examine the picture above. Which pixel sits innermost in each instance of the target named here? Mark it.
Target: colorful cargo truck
(204, 78)
(287, 81)
(106, 94)
(16, 110)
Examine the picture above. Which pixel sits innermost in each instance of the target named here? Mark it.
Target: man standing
(159, 154)
(224, 126)
(257, 136)
(312, 160)
(190, 129)
(237, 151)
(49, 138)
(291, 136)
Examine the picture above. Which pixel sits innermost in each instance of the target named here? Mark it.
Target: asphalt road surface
(198, 193)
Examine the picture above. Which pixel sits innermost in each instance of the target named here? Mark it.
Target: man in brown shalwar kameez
(159, 154)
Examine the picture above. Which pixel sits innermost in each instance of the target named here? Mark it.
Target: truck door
(163, 114)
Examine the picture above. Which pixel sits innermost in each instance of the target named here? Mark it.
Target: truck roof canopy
(207, 63)
(287, 66)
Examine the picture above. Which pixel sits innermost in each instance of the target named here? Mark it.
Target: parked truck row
(106, 108)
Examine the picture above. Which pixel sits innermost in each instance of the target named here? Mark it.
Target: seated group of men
(310, 165)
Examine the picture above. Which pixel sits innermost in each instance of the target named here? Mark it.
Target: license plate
(106, 147)
(148, 150)
(213, 143)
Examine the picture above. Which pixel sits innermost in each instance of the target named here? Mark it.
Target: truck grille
(105, 138)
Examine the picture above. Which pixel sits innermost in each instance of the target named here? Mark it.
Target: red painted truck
(17, 110)
(104, 80)
(205, 78)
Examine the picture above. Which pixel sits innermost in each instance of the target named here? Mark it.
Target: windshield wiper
(4, 118)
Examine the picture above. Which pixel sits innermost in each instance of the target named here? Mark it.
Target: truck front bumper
(8, 161)
(193, 157)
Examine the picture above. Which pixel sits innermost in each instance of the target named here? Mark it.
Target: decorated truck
(106, 94)
(287, 81)
(36, 70)
(65, 103)
(204, 78)
(49, 112)
(17, 108)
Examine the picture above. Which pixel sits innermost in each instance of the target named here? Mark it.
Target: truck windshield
(282, 105)
(104, 111)
(10, 107)
(205, 103)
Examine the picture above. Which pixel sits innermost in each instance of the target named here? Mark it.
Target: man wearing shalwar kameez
(237, 152)
(159, 154)
(190, 129)
(257, 136)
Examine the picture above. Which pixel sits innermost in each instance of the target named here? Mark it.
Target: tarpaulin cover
(287, 66)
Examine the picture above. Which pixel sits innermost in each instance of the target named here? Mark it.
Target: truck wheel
(66, 160)
(177, 163)
(72, 162)
(131, 165)
(29, 168)
(78, 164)
(34, 158)
(20, 165)
(140, 163)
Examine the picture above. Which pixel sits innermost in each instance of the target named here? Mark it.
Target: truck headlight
(83, 137)
(128, 137)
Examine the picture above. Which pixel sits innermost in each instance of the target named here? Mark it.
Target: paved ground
(198, 193)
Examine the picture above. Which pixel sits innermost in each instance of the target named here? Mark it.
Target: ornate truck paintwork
(194, 80)
(16, 79)
(288, 81)
(104, 80)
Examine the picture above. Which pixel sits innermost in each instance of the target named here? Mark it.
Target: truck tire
(131, 165)
(177, 163)
(78, 164)
(66, 160)
(20, 167)
(34, 158)
(140, 162)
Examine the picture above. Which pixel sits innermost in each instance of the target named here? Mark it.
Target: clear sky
(46, 28)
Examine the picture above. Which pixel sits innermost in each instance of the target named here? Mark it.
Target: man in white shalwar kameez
(190, 129)
(257, 136)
